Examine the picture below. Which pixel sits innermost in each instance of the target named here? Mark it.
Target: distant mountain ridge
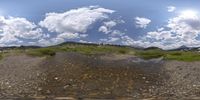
(185, 48)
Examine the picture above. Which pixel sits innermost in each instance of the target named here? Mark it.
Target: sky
(166, 24)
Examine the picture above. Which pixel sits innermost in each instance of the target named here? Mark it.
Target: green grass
(1, 56)
(41, 52)
(187, 56)
(94, 49)
(83, 49)
(89, 49)
(149, 54)
(183, 56)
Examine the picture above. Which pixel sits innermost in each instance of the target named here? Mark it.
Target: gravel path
(19, 76)
(184, 79)
(75, 76)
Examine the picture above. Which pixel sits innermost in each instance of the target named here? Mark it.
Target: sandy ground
(68, 76)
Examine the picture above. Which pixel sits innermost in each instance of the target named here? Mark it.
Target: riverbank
(97, 77)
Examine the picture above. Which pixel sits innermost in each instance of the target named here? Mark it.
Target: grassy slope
(170, 55)
(84, 49)
(94, 49)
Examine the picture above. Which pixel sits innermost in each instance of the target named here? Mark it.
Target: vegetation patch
(1, 56)
(41, 52)
(83, 49)
(183, 56)
(108, 49)
(169, 55)
(150, 54)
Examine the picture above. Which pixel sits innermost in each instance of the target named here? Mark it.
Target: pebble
(144, 78)
(56, 78)
(66, 86)
(194, 85)
(48, 91)
(146, 81)
(39, 89)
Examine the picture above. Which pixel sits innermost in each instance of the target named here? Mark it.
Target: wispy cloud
(171, 8)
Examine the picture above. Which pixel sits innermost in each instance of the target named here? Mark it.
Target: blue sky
(162, 23)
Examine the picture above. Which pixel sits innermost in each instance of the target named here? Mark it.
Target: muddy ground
(68, 76)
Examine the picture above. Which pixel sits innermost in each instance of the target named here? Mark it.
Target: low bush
(42, 52)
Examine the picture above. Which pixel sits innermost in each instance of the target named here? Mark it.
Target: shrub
(122, 51)
(176, 53)
(42, 52)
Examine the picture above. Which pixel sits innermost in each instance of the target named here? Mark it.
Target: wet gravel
(68, 76)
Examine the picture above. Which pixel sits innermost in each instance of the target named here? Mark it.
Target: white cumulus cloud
(104, 29)
(14, 30)
(142, 22)
(71, 35)
(107, 27)
(110, 39)
(180, 30)
(71, 24)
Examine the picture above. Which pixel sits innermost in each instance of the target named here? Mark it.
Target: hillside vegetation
(83, 49)
(93, 49)
(169, 55)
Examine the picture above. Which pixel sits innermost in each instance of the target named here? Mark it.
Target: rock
(66, 86)
(147, 82)
(39, 89)
(48, 91)
(194, 85)
(56, 78)
(143, 78)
